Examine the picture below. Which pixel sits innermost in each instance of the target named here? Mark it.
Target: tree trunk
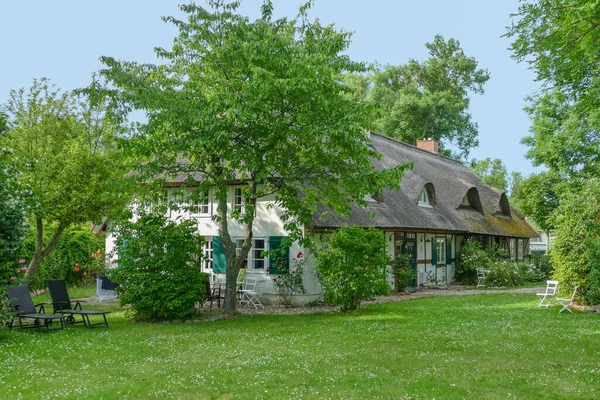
(40, 253)
(234, 260)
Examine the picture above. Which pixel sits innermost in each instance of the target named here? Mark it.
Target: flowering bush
(472, 255)
(403, 272)
(289, 282)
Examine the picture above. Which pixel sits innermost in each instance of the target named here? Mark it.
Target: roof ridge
(415, 147)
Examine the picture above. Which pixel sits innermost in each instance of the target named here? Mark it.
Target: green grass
(492, 346)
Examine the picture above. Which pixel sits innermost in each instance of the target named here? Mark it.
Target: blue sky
(63, 40)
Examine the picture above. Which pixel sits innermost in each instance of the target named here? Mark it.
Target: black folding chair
(21, 300)
(62, 304)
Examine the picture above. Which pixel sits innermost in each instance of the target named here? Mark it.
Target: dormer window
(424, 199)
(471, 200)
(427, 196)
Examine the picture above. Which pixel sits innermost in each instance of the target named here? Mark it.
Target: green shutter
(277, 257)
(434, 251)
(448, 251)
(219, 260)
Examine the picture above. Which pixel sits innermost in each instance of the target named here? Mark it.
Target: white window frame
(252, 257)
(424, 199)
(441, 255)
(207, 250)
(197, 207)
(235, 197)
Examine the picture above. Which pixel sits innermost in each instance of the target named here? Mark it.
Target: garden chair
(213, 292)
(251, 293)
(481, 277)
(20, 299)
(567, 303)
(551, 287)
(62, 304)
(105, 289)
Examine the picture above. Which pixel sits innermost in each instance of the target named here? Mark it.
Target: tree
(491, 172)
(13, 224)
(539, 198)
(68, 158)
(559, 39)
(430, 99)
(516, 181)
(258, 103)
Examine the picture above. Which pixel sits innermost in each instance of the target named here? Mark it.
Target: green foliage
(353, 267)
(13, 224)
(428, 99)
(542, 263)
(559, 39)
(73, 251)
(472, 255)
(66, 151)
(574, 249)
(289, 282)
(158, 270)
(6, 311)
(260, 102)
(403, 272)
(538, 198)
(502, 274)
(491, 172)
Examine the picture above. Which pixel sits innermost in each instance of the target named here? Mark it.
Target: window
(424, 199)
(238, 199)
(512, 249)
(465, 202)
(200, 203)
(255, 260)
(207, 263)
(520, 249)
(440, 249)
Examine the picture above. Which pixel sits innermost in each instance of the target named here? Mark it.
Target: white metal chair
(567, 303)
(551, 287)
(480, 277)
(251, 293)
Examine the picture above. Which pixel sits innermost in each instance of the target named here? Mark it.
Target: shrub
(543, 264)
(403, 272)
(157, 267)
(353, 267)
(502, 273)
(70, 259)
(289, 281)
(574, 251)
(472, 255)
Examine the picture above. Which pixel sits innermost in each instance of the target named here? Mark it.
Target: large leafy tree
(538, 198)
(66, 153)
(491, 172)
(560, 39)
(258, 103)
(428, 99)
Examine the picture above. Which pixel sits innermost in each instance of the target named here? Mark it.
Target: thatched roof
(451, 180)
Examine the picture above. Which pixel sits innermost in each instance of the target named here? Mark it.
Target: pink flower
(76, 269)
(85, 274)
(279, 265)
(299, 255)
(22, 261)
(23, 269)
(12, 278)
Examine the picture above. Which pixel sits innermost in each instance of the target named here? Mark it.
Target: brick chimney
(429, 144)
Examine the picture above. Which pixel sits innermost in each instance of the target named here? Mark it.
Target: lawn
(492, 346)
